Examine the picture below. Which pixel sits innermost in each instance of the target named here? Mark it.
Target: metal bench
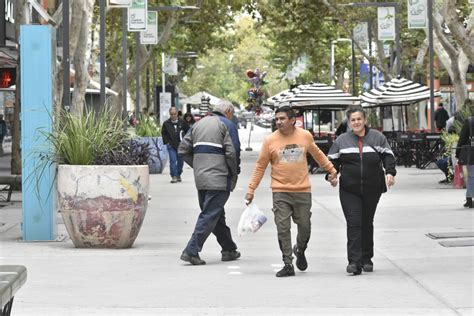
(12, 279)
(7, 182)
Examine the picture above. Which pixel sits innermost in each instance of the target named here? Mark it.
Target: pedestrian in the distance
(189, 118)
(465, 155)
(173, 131)
(3, 132)
(359, 155)
(440, 117)
(212, 149)
(286, 150)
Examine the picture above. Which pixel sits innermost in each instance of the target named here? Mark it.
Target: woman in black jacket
(466, 156)
(358, 155)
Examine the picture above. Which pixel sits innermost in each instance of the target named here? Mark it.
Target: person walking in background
(286, 150)
(440, 117)
(172, 132)
(465, 155)
(212, 149)
(359, 155)
(189, 118)
(3, 132)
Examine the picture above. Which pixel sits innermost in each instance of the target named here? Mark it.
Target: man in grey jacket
(212, 149)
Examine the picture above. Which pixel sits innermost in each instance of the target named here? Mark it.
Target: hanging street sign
(118, 3)
(386, 23)
(171, 66)
(137, 15)
(361, 34)
(417, 18)
(150, 36)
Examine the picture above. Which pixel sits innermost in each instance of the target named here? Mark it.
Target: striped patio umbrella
(399, 91)
(317, 96)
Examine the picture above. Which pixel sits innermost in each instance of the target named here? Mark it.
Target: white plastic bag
(251, 220)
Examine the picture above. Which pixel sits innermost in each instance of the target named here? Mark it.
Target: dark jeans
(359, 211)
(176, 162)
(211, 220)
(442, 164)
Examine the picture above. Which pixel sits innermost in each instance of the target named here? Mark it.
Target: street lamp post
(431, 56)
(124, 61)
(66, 62)
(102, 52)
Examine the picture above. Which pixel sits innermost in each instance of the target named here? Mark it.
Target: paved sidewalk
(414, 275)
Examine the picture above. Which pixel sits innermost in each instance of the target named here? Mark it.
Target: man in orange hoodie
(286, 150)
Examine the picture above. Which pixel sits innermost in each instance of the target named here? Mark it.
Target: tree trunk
(454, 60)
(80, 26)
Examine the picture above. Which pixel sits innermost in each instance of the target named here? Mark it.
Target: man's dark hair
(354, 109)
(286, 109)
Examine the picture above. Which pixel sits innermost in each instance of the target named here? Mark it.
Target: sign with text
(137, 15)
(171, 66)
(118, 3)
(361, 34)
(417, 18)
(386, 23)
(150, 36)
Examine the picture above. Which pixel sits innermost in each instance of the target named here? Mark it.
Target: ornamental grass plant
(147, 127)
(95, 138)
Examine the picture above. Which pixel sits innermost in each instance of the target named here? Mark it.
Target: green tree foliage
(222, 72)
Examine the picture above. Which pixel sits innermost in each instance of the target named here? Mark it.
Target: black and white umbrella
(397, 92)
(317, 96)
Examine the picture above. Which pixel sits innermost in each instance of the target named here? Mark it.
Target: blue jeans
(211, 220)
(176, 162)
(470, 181)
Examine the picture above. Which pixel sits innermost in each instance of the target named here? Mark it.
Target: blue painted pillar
(37, 57)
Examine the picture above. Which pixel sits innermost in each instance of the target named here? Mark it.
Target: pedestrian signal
(7, 77)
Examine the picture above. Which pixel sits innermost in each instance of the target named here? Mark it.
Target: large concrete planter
(103, 206)
(158, 153)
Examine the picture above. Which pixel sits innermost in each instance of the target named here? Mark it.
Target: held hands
(248, 198)
(390, 180)
(332, 178)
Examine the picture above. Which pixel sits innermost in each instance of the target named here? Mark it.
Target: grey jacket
(212, 149)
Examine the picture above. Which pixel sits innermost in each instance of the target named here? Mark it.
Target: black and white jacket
(358, 160)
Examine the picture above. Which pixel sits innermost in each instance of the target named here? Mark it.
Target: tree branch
(458, 31)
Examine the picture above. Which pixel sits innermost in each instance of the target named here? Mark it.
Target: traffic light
(7, 77)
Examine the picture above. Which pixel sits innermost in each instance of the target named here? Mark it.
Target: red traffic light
(7, 77)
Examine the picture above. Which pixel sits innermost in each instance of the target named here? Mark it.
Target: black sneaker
(174, 180)
(288, 270)
(194, 260)
(178, 178)
(301, 262)
(354, 269)
(230, 255)
(368, 266)
(445, 181)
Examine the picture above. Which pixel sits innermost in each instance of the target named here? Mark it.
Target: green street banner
(361, 35)
(137, 15)
(118, 3)
(150, 36)
(417, 18)
(386, 23)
